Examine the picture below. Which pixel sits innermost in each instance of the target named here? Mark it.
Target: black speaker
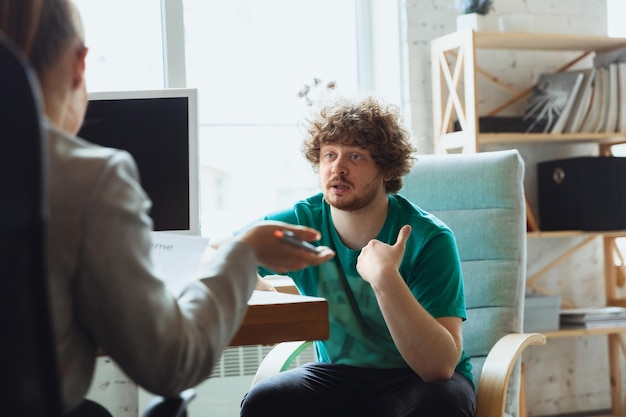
(583, 193)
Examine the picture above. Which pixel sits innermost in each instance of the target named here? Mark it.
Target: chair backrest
(481, 198)
(29, 383)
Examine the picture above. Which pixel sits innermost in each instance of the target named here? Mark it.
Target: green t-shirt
(431, 269)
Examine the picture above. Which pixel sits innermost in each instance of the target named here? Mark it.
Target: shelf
(592, 415)
(573, 332)
(460, 139)
(455, 98)
(574, 233)
(545, 138)
(539, 41)
(456, 106)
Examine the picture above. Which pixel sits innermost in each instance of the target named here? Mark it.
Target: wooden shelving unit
(455, 99)
(454, 76)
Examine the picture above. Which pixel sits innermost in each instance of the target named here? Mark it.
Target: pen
(290, 237)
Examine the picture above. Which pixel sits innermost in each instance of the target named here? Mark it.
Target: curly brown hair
(369, 123)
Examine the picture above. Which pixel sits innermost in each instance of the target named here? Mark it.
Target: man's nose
(339, 166)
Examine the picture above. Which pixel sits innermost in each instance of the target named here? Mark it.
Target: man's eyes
(352, 156)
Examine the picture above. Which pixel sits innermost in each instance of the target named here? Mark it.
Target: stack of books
(593, 317)
(591, 100)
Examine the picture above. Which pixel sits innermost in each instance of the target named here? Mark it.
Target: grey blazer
(104, 292)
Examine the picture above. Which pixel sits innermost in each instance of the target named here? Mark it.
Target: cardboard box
(541, 313)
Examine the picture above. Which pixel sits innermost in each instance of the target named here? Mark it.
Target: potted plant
(474, 6)
(316, 90)
(472, 14)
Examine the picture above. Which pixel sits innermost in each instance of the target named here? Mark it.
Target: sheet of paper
(176, 258)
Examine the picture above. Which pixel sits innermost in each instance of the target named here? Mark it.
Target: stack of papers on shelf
(589, 317)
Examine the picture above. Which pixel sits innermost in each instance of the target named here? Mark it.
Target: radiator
(220, 395)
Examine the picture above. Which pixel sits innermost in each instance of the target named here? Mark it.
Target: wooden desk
(274, 317)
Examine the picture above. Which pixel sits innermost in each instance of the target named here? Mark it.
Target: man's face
(349, 177)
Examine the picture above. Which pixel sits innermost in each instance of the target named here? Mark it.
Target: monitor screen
(159, 129)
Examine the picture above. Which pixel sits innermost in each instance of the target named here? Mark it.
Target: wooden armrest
(496, 372)
(279, 359)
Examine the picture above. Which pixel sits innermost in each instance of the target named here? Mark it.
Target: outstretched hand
(279, 256)
(378, 259)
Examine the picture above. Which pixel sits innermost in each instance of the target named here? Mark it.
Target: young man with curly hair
(395, 289)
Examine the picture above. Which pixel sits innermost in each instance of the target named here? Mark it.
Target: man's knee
(452, 398)
(268, 398)
(255, 402)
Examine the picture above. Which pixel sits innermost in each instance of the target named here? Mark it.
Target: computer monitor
(159, 128)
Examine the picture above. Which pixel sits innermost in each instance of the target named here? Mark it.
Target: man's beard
(355, 202)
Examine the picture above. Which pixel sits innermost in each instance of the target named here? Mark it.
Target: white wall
(568, 374)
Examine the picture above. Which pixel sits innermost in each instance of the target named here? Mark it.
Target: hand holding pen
(284, 247)
(290, 237)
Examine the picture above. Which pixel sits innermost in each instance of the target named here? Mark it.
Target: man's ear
(79, 66)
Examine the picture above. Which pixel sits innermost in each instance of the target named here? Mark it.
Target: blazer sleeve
(163, 343)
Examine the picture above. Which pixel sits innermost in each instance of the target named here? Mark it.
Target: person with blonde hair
(103, 289)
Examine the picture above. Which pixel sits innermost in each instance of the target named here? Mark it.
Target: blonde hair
(59, 24)
(19, 20)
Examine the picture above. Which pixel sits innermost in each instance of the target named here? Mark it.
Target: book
(596, 105)
(621, 97)
(594, 324)
(614, 62)
(604, 97)
(610, 57)
(610, 125)
(598, 314)
(582, 103)
(551, 101)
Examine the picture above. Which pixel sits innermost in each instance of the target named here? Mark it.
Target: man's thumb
(403, 235)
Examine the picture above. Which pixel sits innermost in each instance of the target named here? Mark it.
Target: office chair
(30, 380)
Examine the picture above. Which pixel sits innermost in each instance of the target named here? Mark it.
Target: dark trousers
(322, 389)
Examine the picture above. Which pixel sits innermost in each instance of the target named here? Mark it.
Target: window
(616, 10)
(248, 60)
(121, 55)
